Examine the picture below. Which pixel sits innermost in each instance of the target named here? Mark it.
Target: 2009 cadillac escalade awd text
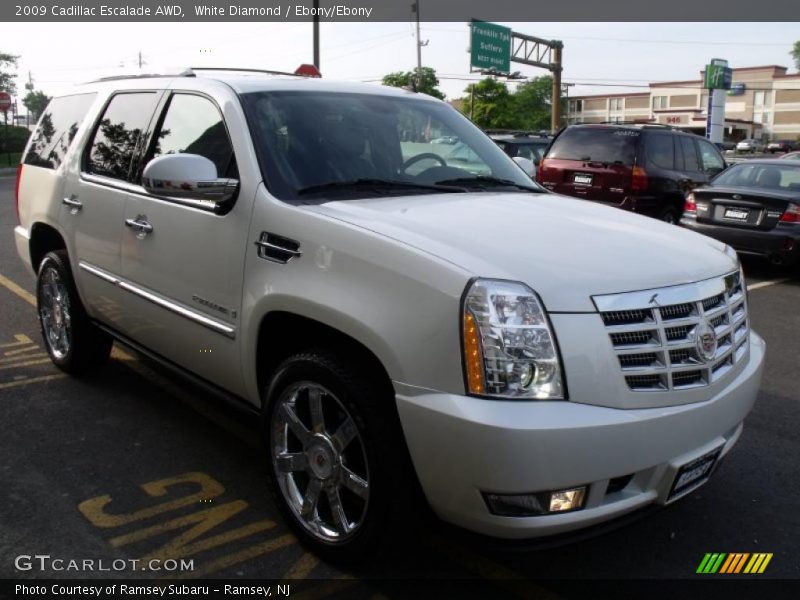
(533, 363)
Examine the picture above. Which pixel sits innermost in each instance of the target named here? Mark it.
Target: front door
(182, 263)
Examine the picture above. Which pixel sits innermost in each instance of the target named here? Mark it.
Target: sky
(597, 57)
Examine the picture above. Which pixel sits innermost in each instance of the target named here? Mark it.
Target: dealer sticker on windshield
(694, 474)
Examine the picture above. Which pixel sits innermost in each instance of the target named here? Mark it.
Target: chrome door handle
(140, 224)
(73, 203)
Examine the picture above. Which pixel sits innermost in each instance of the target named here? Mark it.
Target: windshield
(770, 176)
(596, 144)
(344, 145)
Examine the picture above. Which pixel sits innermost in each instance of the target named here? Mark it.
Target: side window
(118, 134)
(709, 157)
(690, 161)
(660, 151)
(57, 129)
(193, 125)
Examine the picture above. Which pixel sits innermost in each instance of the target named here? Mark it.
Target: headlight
(509, 348)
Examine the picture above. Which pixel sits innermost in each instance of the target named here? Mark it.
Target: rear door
(94, 201)
(592, 162)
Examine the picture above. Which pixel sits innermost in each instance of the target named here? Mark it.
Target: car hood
(564, 248)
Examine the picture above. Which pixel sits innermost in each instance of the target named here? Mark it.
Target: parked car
(726, 145)
(750, 145)
(447, 139)
(530, 146)
(754, 207)
(645, 169)
(783, 146)
(532, 363)
(791, 156)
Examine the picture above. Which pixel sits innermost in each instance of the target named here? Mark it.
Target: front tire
(75, 345)
(338, 467)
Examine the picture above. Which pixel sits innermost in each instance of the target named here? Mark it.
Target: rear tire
(338, 467)
(74, 343)
(669, 215)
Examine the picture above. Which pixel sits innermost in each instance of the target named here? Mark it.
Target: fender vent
(276, 248)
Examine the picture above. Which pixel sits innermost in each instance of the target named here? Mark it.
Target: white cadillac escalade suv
(404, 315)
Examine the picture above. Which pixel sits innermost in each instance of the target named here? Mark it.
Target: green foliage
(796, 54)
(497, 108)
(426, 83)
(13, 139)
(35, 102)
(8, 71)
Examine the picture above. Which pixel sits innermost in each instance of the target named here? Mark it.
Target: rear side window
(194, 125)
(596, 144)
(661, 151)
(57, 129)
(119, 132)
(690, 161)
(709, 157)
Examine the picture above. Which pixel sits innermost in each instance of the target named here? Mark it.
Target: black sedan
(753, 206)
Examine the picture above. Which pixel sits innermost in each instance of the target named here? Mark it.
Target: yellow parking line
(301, 569)
(5, 361)
(241, 556)
(41, 361)
(11, 384)
(15, 289)
(22, 340)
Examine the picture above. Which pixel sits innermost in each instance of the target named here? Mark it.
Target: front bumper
(783, 241)
(464, 446)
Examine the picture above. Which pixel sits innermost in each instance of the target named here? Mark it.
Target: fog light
(540, 503)
(567, 500)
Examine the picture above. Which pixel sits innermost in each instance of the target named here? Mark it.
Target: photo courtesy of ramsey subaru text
(411, 326)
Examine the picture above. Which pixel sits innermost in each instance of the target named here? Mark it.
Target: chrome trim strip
(201, 319)
(124, 186)
(678, 294)
(98, 272)
(180, 310)
(268, 246)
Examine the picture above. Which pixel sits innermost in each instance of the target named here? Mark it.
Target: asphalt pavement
(132, 463)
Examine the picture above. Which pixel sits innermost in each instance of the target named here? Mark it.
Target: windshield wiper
(484, 181)
(376, 184)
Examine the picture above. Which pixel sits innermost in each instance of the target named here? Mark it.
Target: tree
(532, 103)
(8, 68)
(426, 83)
(35, 101)
(489, 104)
(796, 54)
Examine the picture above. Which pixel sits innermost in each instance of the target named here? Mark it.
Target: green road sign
(490, 47)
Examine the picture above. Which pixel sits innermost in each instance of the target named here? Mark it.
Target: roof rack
(639, 123)
(190, 72)
(184, 73)
(245, 70)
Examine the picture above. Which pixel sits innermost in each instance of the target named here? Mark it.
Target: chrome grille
(657, 345)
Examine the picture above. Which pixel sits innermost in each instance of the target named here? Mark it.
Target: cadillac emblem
(705, 341)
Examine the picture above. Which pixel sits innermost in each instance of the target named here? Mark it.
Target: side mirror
(526, 164)
(189, 177)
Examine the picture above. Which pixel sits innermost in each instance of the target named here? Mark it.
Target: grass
(13, 162)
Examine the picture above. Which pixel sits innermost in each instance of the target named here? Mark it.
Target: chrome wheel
(54, 311)
(319, 461)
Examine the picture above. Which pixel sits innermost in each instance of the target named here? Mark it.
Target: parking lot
(131, 463)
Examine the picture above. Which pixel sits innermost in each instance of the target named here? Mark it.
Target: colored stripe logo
(734, 563)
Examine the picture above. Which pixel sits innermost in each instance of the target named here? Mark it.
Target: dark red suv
(646, 169)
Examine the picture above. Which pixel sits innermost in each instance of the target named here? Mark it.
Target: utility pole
(420, 43)
(140, 59)
(555, 114)
(316, 34)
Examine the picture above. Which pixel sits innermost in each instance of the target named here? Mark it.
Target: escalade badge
(705, 341)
